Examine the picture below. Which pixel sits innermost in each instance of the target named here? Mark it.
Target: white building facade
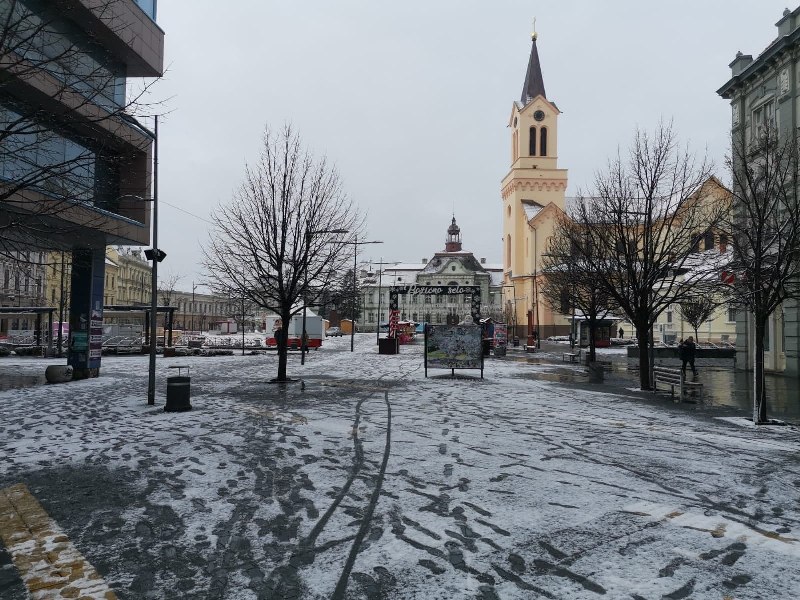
(451, 267)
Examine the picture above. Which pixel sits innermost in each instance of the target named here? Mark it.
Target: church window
(532, 142)
(453, 268)
(514, 142)
(543, 142)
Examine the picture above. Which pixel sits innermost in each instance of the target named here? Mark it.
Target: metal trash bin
(178, 391)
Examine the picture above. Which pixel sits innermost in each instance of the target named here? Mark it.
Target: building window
(532, 142)
(763, 119)
(543, 142)
(669, 316)
(708, 240)
(731, 314)
(514, 140)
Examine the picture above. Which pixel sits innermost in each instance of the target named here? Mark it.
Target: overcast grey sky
(411, 100)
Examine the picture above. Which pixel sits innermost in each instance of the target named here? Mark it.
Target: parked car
(333, 332)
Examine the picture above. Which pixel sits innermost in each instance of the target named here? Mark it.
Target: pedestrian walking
(278, 332)
(687, 351)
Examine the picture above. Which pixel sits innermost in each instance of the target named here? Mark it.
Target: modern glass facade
(49, 162)
(37, 34)
(149, 7)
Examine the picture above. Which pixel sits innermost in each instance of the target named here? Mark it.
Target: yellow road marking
(50, 566)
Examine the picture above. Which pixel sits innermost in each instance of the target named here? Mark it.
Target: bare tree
(272, 243)
(166, 292)
(764, 228)
(44, 150)
(698, 309)
(568, 281)
(636, 231)
(166, 288)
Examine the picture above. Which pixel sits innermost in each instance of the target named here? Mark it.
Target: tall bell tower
(533, 194)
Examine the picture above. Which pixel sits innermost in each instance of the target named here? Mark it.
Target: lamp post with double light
(356, 243)
(309, 236)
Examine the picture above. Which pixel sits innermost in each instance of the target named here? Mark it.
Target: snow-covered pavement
(370, 481)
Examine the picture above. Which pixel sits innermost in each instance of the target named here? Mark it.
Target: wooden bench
(673, 378)
(571, 356)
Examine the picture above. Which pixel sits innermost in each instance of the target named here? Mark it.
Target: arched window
(532, 142)
(514, 146)
(543, 142)
(708, 240)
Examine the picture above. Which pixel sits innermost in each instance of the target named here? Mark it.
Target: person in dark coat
(278, 332)
(687, 351)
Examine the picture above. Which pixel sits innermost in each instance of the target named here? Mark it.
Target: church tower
(533, 197)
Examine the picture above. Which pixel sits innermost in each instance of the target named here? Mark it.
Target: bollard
(58, 373)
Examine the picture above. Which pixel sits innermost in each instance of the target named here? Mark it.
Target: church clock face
(539, 115)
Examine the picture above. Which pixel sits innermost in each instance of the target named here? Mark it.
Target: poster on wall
(453, 347)
(500, 334)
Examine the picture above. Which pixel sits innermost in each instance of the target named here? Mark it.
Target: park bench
(571, 356)
(673, 378)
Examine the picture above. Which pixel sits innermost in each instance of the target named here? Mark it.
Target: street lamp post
(355, 243)
(151, 372)
(194, 287)
(309, 234)
(156, 256)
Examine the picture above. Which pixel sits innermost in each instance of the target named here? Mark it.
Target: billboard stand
(453, 347)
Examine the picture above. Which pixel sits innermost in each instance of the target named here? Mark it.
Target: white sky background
(411, 100)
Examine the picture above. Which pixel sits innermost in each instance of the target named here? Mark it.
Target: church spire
(534, 84)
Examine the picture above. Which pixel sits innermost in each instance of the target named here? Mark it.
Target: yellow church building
(533, 193)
